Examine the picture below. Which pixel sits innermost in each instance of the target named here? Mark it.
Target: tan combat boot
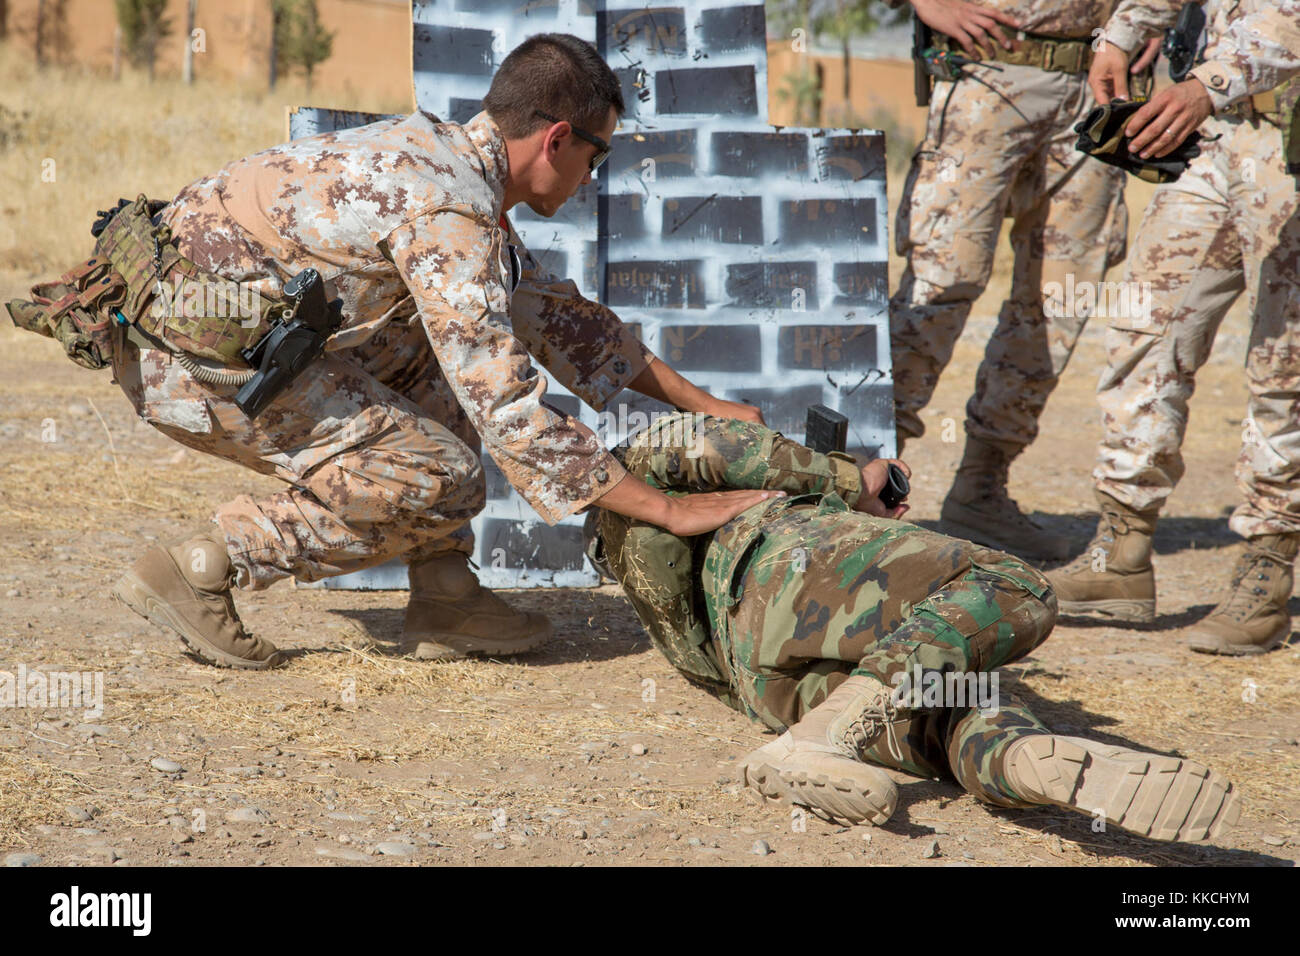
(817, 763)
(978, 507)
(1252, 618)
(186, 587)
(1164, 798)
(450, 615)
(1113, 578)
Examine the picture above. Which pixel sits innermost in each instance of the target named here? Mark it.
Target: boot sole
(957, 529)
(1163, 798)
(132, 592)
(839, 799)
(1214, 644)
(452, 647)
(1119, 609)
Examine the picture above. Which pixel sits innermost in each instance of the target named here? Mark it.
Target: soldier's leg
(448, 613)
(1069, 224)
(399, 356)
(948, 223)
(1008, 758)
(1187, 259)
(875, 597)
(820, 637)
(1253, 618)
(371, 476)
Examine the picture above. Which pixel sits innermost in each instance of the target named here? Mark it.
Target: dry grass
(111, 139)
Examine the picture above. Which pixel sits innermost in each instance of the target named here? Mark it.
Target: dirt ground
(591, 751)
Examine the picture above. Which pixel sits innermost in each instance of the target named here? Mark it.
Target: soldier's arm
(452, 264)
(1256, 53)
(698, 453)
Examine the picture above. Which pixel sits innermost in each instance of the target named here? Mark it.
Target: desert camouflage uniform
(379, 440)
(1228, 224)
(779, 606)
(980, 161)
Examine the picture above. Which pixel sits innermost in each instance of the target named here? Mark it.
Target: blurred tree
(143, 27)
(298, 40)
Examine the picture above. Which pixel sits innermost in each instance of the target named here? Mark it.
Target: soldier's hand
(875, 474)
(1108, 75)
(974, 27)
(710, 510)
(1148, 55)
(1167, 119)
(719, 408)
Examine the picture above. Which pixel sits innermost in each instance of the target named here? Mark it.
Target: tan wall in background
(371, 58)
(875, 86)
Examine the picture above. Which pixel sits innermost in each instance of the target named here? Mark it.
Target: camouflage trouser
(828, 593)
(1069, 219)
(1229, 223)
(380, 458)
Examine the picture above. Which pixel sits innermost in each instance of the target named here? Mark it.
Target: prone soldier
(830, 621)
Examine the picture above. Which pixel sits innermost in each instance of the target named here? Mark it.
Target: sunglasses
(603, 148)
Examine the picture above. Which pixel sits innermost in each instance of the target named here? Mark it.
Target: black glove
(1101, 136)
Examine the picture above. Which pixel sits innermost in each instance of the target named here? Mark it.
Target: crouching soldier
(828, 620)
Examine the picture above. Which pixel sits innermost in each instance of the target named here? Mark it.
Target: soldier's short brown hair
(557, 73)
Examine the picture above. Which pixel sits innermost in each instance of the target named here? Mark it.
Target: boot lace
(1110, 527)
(877, 716)
(1249, 583)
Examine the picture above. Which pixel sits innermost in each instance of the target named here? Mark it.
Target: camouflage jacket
(403, 217)
(680, 588)
(1252, 45)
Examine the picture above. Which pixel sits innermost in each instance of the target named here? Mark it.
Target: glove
(1101, 136)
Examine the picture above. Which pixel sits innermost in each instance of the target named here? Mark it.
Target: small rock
(339, 853)
(248, 815)
(44, 829)
(639, 750)
(866, 838)
(13, 593)
(350, 817)
(394, 848)
(163, 765)
(694, 841)
(79, 814)
(92, 730)
(931, 850)
(761, 848)
(498, 846)
(580, 834)
(180, 836)
(1273, 840)
(86, 831)
(22, 859)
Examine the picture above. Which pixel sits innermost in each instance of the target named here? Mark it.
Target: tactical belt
(1058, 54)
(128, 282)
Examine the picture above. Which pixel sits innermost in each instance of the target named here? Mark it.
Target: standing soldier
(999, 142)
(378, 439)
(1228, 223)
(865, 642)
